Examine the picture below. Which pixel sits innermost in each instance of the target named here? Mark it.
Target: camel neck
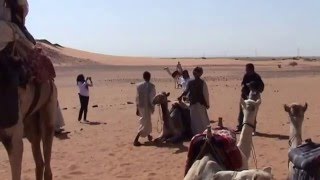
(245, 141)
(165, 112)
(295, 133)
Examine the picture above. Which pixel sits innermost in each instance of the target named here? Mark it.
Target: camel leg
(47, 118)
(47, 140)
(37, 156)
(33, 134)
(14, 147)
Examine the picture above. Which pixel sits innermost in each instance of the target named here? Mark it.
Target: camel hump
(306, 159)
(40, 66)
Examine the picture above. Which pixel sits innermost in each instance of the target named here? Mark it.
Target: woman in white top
(185, 79)
(83, 85)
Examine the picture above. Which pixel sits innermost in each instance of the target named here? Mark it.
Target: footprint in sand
(72, 167)
(124, 176)
(27, 178)
(104, 150)
(125, 164)
(152, 174)
(65, 177)
(76, 173)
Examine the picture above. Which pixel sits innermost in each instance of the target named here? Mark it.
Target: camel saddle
(16, 72)
(306, 161)
(180, 114)
(222, 147)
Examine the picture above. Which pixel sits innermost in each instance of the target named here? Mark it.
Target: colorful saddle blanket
(223, 143)
(14, 72)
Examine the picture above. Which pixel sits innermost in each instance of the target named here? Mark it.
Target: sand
(104, 150)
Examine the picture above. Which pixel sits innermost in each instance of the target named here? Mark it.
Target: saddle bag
(306, 161)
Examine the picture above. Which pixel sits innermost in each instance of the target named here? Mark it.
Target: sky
(188, 28)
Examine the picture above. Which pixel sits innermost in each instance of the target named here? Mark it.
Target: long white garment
(199, 118)
(184, 83)
(145, 93)
(59, 121)
(199, 115)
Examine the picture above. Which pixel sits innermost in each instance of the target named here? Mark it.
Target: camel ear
(267, 169)
(242, 102)
(305, 107)
(258, 101)
(167, 94)
(286, 108)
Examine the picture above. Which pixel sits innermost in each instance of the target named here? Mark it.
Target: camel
(175, 128)
(37, 127)
(34, 129)
(34, 104)
(207, 167)
(176, 76)
(296, 114)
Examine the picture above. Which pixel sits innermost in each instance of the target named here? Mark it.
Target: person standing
(184, 80)
(179, 68)
(199, 102)
(59, 123)
(83, 85)
(250, 77)
(146, 91)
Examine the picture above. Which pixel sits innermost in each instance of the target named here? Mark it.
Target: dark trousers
(240, 119)
(84, 101)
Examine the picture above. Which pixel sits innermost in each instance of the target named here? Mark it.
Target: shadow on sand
(93, 123)
(62, 135)
(181, 148)
(275, 136)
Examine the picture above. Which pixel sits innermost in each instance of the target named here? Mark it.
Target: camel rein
(202, 152)
(293, 137)
(254, 156)
(159, 130)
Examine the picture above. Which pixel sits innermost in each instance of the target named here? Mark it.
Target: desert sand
(103, 150)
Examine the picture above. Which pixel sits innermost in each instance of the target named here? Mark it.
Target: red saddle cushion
(40, 66)
(224, 141)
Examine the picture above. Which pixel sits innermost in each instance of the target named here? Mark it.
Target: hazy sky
(180, 27)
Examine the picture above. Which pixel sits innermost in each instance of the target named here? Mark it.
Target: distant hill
(54, 52)
(45, 41)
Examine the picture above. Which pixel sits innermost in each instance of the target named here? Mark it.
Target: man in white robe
(199, 102)
(59, 121)
(145, 93)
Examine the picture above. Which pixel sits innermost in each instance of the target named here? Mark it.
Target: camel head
(296, 110)
(250, 106)
(254, 174)
(296, 113)
(161, 98)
